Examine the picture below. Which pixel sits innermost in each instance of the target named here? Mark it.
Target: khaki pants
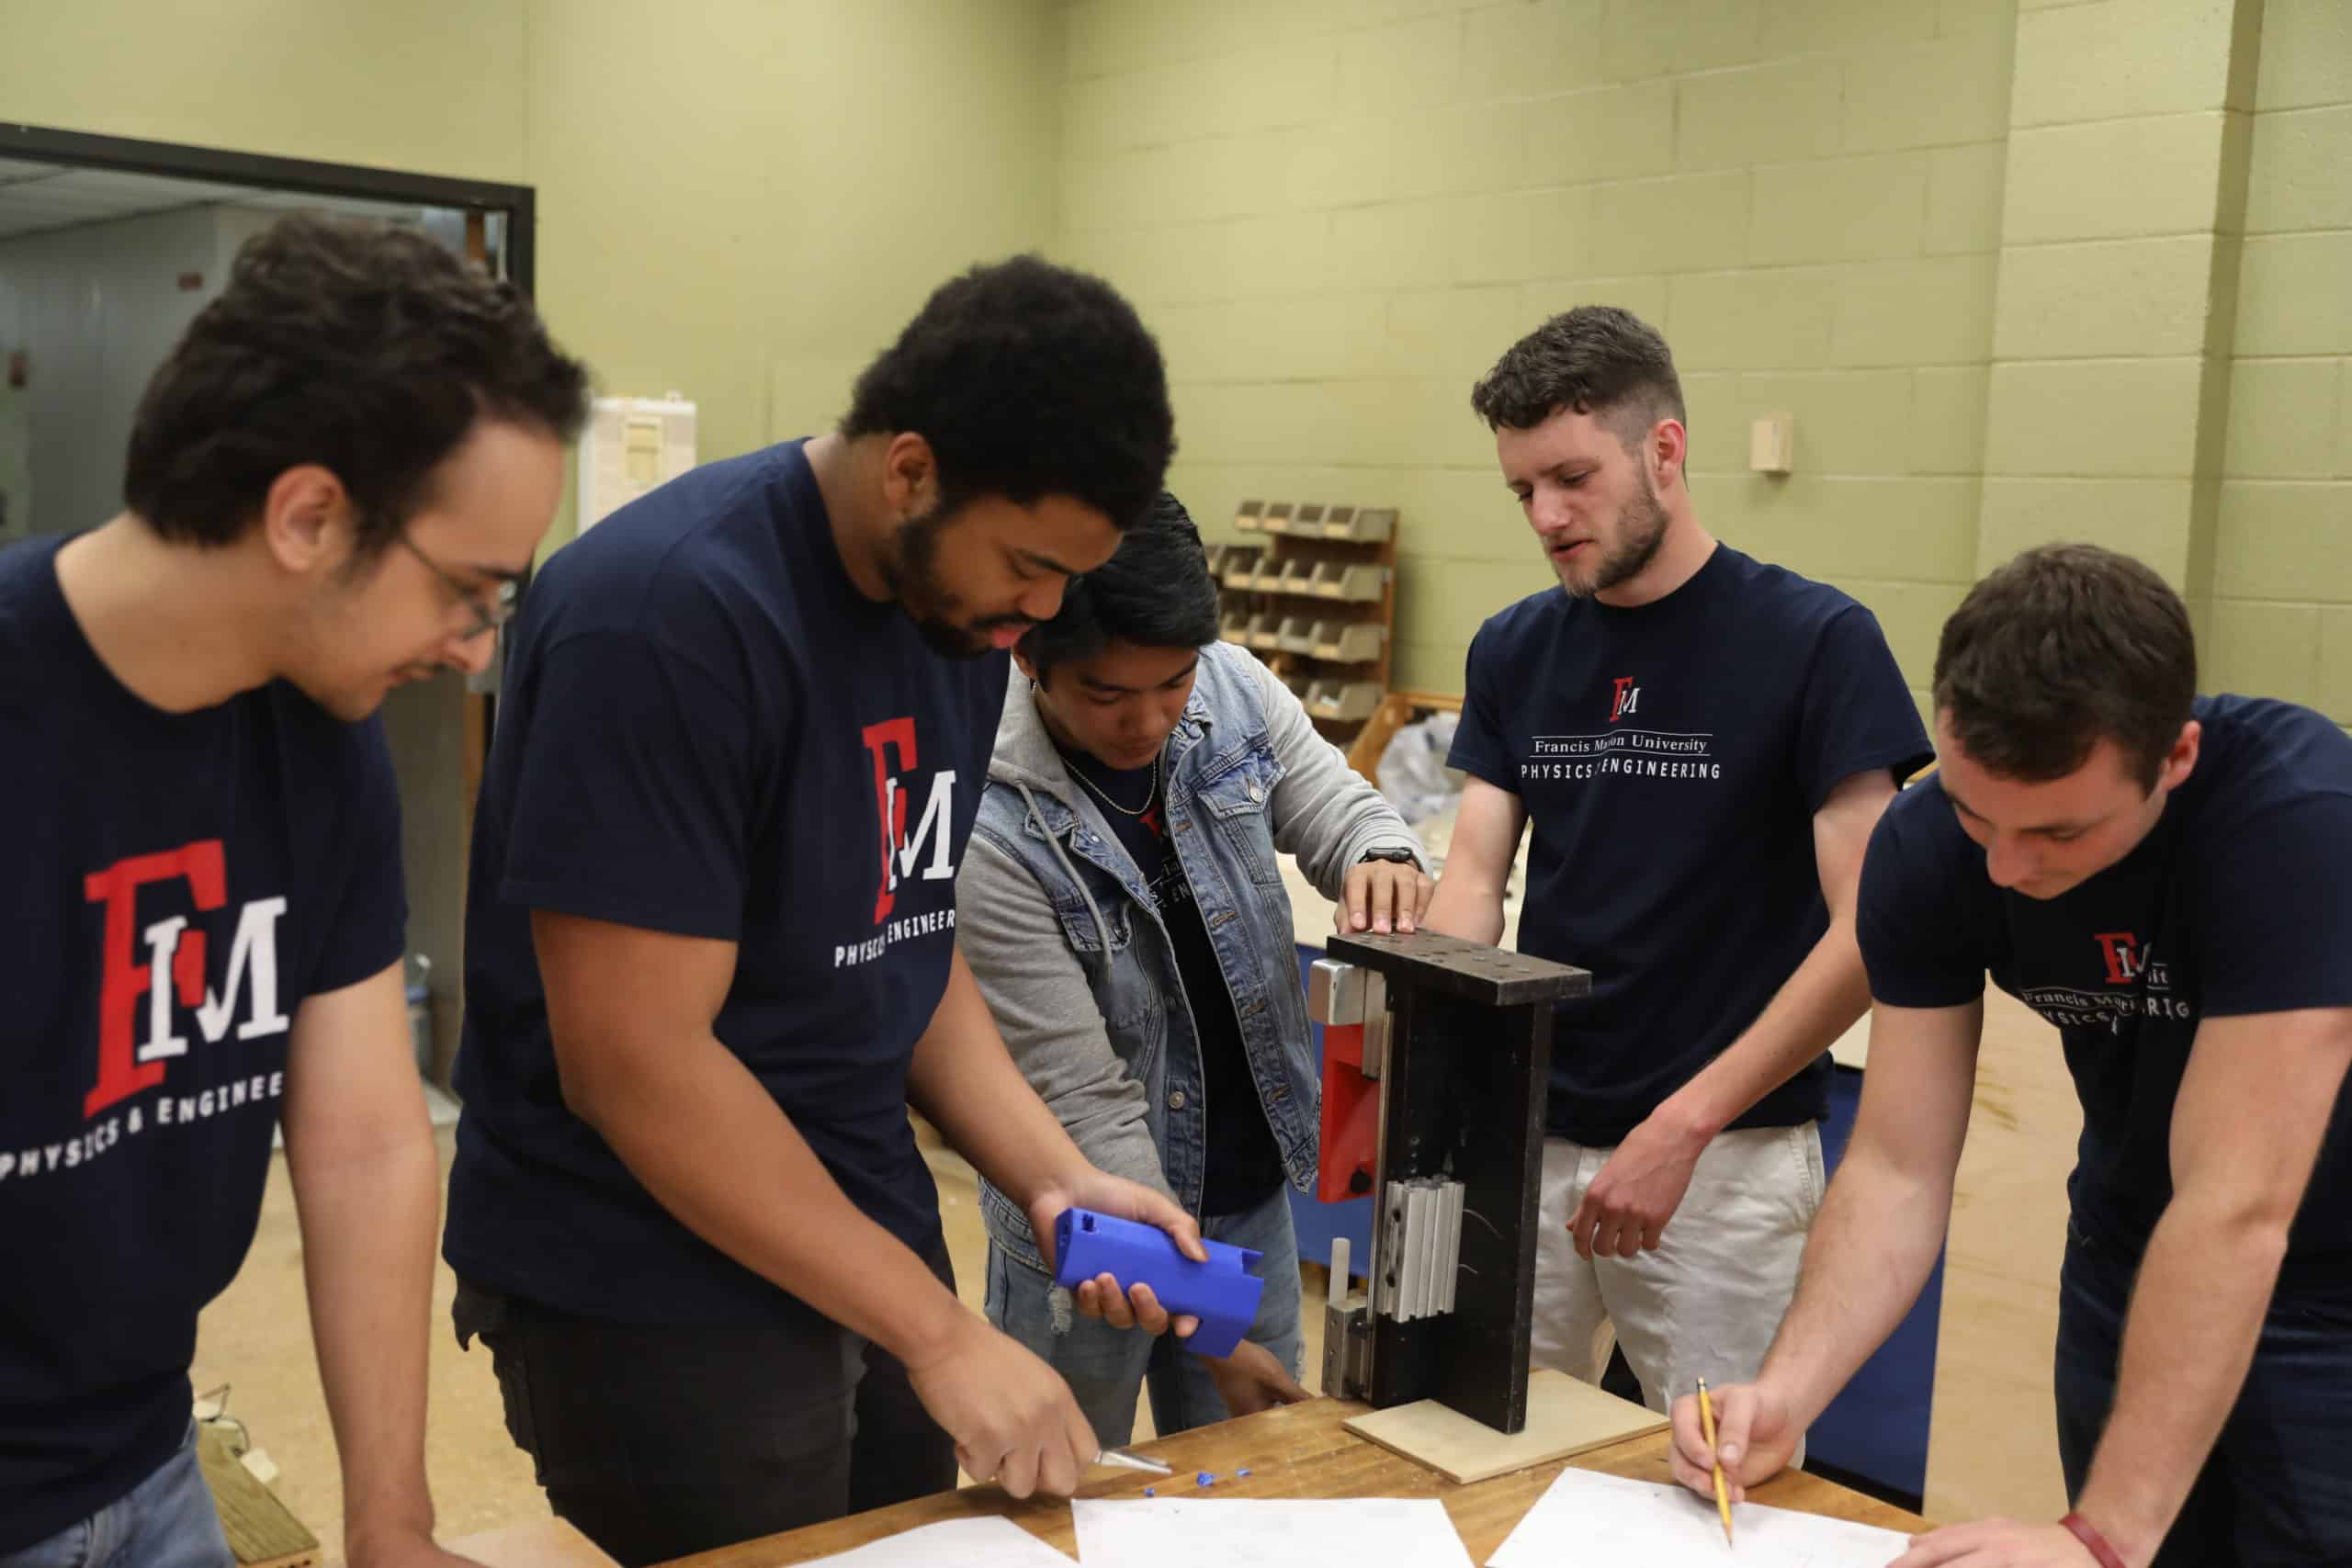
(1707, 1303)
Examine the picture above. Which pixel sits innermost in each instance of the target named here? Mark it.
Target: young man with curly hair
(332, 483)
(711, 946)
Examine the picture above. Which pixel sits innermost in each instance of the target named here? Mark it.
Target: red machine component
(1350, 1117)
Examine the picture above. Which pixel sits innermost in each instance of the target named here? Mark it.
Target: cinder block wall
(2023, 271)
(2282, 558)
(1338, 213)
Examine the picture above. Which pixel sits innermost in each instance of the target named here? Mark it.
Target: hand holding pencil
(1734, 1438)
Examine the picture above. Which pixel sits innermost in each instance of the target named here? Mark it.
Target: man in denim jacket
(1123, 909)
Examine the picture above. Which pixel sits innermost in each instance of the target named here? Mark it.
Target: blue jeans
(165, 1521)
(1106, 1368)
(2278, 1487)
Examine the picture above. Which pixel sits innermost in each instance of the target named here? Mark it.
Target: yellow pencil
(1707, 1424)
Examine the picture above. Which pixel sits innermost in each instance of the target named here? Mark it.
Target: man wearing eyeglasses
(333, 483)
(489, 601)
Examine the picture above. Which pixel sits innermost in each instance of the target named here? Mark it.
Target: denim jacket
(1054, 917)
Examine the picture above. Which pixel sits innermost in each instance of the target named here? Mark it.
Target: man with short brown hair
(1698, 744)
(2167, 878)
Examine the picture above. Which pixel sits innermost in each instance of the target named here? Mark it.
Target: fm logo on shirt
(2128, 961)
(129, 1062)
(138, 1042)
(2125, 957)
(903, 850)
(1627, 751)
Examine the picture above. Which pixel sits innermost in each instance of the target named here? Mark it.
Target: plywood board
(1565, 1418)
(263, 1532)
(542, 1543)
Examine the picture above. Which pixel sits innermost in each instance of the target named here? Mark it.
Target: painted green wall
(430, 85)
(739, 200)
(748, 200)
(2022, 270)
(1338, 215)
(2282, 567)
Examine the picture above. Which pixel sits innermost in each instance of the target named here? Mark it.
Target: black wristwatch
(1398, 855)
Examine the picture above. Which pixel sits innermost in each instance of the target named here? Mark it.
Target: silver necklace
(1103, 795)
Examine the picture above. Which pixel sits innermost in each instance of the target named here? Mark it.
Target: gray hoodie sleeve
(1045, 1011)
(1323, 811)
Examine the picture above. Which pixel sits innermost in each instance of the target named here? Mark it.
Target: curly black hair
(1595, 359)
(1155, 591)
(366, 349)
(1028, 381)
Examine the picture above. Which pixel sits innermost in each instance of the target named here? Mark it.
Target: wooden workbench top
(1296, 1452)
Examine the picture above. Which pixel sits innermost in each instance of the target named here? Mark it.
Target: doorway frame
(219, 165)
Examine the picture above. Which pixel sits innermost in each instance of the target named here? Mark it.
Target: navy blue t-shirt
(173, 886)
(1670, 758)
(2238, 901)
(709, 731)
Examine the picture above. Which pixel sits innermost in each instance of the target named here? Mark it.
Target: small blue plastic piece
(1243, 1470)
(1204, 1479)
(1222, 1293)
(1152, 1491)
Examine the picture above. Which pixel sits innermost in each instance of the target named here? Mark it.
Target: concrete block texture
(1964, 194)
(2292, 296)
(2120, 59)
(1953, 91)
(2282, 539)
(2300, 176)
(2148, 518)
(2093, 419)
(2306, 54)
(2284, 421)
(1600, 134)
(2111, 299)
(2091, 182)
(1840, 209)
(2262, 649)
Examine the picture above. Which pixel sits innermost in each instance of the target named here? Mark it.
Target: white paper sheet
(1600, 1521)
(1251, 1532)
(968, 1543)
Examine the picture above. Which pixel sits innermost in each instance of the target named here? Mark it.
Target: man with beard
(711, 957)
(1702, 744)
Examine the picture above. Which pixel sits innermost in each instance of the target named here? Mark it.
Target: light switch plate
(1772, 443)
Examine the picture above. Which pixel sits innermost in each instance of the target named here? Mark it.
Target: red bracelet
(2092, 1543)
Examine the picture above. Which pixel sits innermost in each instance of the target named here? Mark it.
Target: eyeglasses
(489, 616)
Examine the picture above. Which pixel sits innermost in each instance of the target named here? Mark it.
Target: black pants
(660, 1441)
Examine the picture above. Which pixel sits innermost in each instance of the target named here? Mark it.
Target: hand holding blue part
(1221, 1292)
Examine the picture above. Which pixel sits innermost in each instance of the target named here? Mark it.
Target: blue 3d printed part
(1222, 1293)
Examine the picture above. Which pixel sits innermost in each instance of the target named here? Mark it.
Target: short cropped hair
(2066, 646)
(1597, 360)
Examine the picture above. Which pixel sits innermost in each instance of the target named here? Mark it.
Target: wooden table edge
(1287, 1450)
